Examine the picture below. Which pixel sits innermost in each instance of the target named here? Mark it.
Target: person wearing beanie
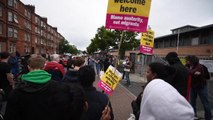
(179, 79)
(38, 97)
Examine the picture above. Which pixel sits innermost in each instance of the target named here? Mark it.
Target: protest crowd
(46, 87)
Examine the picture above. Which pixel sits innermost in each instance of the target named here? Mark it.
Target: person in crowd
(6, 77)
(62, 61)
(70, 62)
(161, 101)
(72, 75)
(124, 62)
(54, 68)
(179, 79)
(127, 67)
(24, 64)
(40, 98)
(13, 61)
(106, 64)
(2, 101)
(97, 101)
(198, 86)
(98, 65)
(91, 62)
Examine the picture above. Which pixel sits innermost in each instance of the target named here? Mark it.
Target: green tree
(65, 47)
(105, 39)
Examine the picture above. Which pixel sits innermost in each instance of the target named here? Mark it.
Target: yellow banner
(147, 39)
(111, 77)
(129, 7)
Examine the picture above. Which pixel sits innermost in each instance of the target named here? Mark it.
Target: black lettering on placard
(140, 2)
(128, 9)
(108, 83)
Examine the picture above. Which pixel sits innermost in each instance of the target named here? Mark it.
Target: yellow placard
(129, 7)
(111, 77)
(183, 61)
(147, 39)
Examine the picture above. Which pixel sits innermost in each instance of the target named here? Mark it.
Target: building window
(15, 33)
(195, 41)
(37, 20)
(13, 3)
(10, 2)
(36, 40)
(15, 18)
(166, 43)
(1, 10)
(27, 37)
(1, 28)
(27, 14)
(36, 30)
(12, 48)
(27, 25)
(26, 49)
(10, 32)
(10, 16)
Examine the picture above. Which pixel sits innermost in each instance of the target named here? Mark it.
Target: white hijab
(161, 101)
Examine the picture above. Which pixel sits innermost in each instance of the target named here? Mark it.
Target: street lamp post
(178, 39)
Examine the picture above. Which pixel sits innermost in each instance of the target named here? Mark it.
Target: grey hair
(55, 57)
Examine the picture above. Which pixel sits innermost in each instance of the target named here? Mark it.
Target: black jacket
(71, 76)
(179, 79)
(97, 101)
(48, 101)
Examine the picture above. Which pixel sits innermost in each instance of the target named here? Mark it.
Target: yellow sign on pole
(131, 15)
(147, 42)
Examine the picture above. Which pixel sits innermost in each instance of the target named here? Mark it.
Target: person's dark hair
(159, 69)
(86, 76)
(79, 61)
(172, 58)
(4, 55)
(192, 59)
(18, 54)
(106, 59)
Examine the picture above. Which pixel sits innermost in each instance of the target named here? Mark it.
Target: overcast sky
(78, 20)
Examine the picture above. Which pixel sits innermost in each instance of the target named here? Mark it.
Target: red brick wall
(200, 50)
(20, 42)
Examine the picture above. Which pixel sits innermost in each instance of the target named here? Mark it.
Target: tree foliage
(105, 39)
(65, 47)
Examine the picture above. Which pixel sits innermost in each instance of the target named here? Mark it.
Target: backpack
(206, 72)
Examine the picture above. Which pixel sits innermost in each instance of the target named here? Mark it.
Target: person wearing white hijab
(161, 101)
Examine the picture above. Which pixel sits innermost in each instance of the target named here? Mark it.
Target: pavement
(123, 95)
